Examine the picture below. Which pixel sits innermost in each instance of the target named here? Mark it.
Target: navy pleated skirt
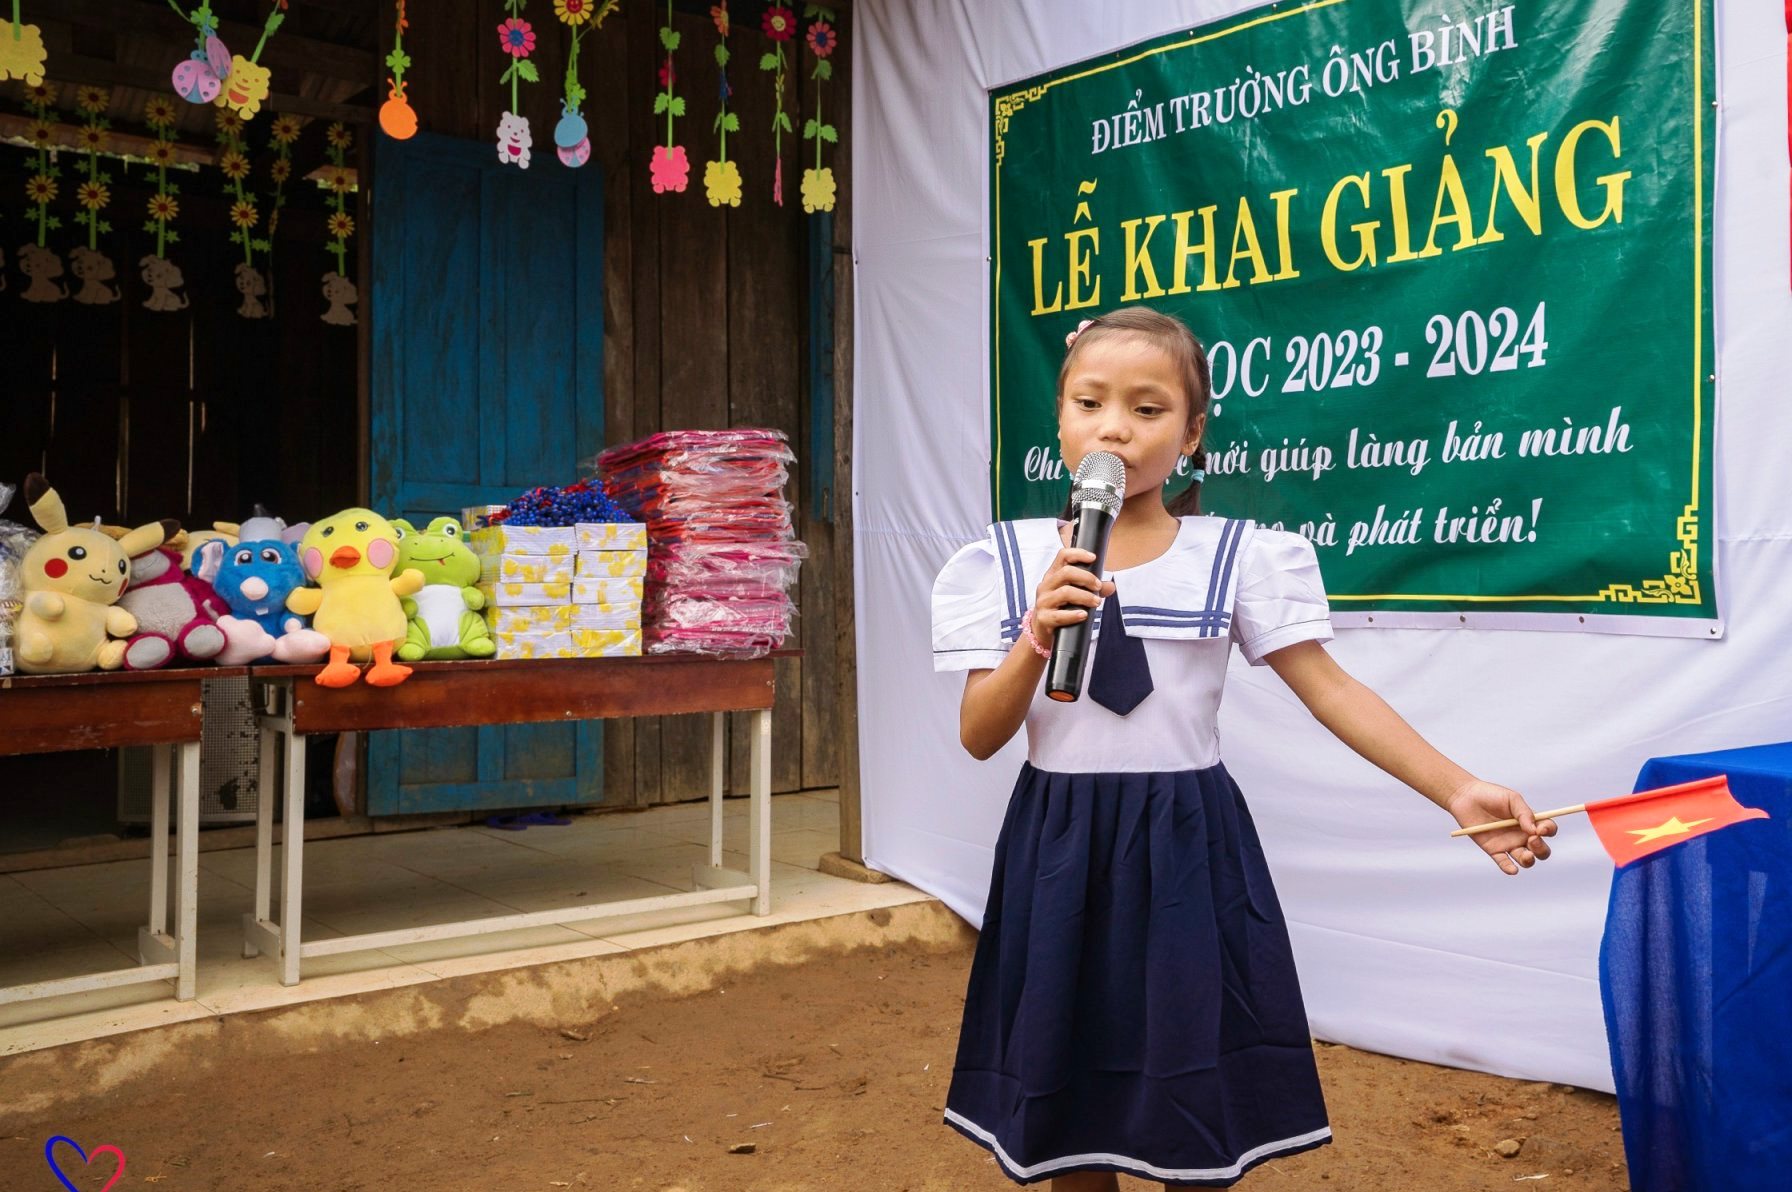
(1133, 1004)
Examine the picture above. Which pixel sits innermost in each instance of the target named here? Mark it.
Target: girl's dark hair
(1172, 336)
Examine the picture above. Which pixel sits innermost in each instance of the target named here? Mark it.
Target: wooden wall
(706, 310)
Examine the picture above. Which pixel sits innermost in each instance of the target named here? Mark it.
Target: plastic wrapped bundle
(15, 540)
(722, 553)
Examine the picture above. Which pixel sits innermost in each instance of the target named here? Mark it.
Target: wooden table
(163, 709)
(466, 694)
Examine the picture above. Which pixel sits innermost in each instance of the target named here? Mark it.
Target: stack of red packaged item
(722, 556)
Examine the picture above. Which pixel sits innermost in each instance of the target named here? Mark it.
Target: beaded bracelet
(1026, 629)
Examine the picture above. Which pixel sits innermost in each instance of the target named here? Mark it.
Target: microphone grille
(1100, 479)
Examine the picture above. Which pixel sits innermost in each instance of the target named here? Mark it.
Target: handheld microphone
(1095, 498)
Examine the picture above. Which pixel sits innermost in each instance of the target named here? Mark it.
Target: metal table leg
(292, 856)
(186, 892)
(759, 811)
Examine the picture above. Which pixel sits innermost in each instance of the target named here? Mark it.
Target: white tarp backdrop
(1408, 942)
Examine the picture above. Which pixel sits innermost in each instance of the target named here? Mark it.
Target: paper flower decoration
(572, 136)
(514, 140)
(818, 180)
(283, 135)
(201, 77)
(779, 24)
(516, 37)
(721, 178)
(160, 115)
(818, 189)
(574, 12)
(338, 139)
(248, 82)
(233, 163)
(721, 183)
(22, 51)
(669, 170)
(40, 187)
(397, 119)
(246, 87)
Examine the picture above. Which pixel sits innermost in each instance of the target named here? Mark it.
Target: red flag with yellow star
(1636, 825)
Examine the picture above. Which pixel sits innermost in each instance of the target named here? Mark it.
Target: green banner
(1452, 265)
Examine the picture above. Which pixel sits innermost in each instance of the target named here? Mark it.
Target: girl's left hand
(1479, 802)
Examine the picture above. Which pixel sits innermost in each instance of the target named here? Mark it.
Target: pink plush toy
(180, 616)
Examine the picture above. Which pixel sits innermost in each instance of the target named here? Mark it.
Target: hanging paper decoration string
(22, 51)
(40, 187)
(246, 86)
(201, 77)
(340, 225)
(282, 137)
(94, 193)
(339, 291)
(778, 23)
(233, 163)
(818, 180)
(721, 178)
(159, 114)
(397, 120)
(517, 38)
(572, 136)
(670, 169)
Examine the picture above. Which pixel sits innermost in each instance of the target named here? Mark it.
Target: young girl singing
(1133, 1004)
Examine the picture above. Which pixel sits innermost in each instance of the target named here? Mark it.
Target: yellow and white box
(524, 540)
(535, 644)
(526, 569)
(629, 536)
(588, 616)
(608, 591)
(611, 564)
(531, 618)
(607, 643)
(515, 595)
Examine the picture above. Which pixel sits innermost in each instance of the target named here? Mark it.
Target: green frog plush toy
(444, 614)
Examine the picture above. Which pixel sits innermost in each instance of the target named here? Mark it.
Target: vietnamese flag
(1636, 825)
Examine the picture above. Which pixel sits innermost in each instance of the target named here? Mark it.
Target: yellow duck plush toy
(351, 557)
(73, 577)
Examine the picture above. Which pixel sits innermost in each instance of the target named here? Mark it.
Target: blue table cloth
(1696, 975)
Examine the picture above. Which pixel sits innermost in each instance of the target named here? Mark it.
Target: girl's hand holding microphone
(1065, 596)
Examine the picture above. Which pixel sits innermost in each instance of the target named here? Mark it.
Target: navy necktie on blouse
(1120, 677)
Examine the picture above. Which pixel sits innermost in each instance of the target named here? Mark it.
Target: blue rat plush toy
(254, 577)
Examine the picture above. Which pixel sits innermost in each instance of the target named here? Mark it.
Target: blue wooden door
(487, 378)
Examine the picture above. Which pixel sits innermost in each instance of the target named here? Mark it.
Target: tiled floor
(61, 922)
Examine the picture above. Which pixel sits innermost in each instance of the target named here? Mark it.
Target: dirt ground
(834, 1072)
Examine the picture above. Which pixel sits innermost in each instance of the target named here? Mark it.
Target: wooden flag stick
(1496, 825)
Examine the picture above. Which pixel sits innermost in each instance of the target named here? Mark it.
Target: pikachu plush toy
(351, 557)
(73, 577)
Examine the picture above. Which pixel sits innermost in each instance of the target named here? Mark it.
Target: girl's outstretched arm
(1363, 720)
